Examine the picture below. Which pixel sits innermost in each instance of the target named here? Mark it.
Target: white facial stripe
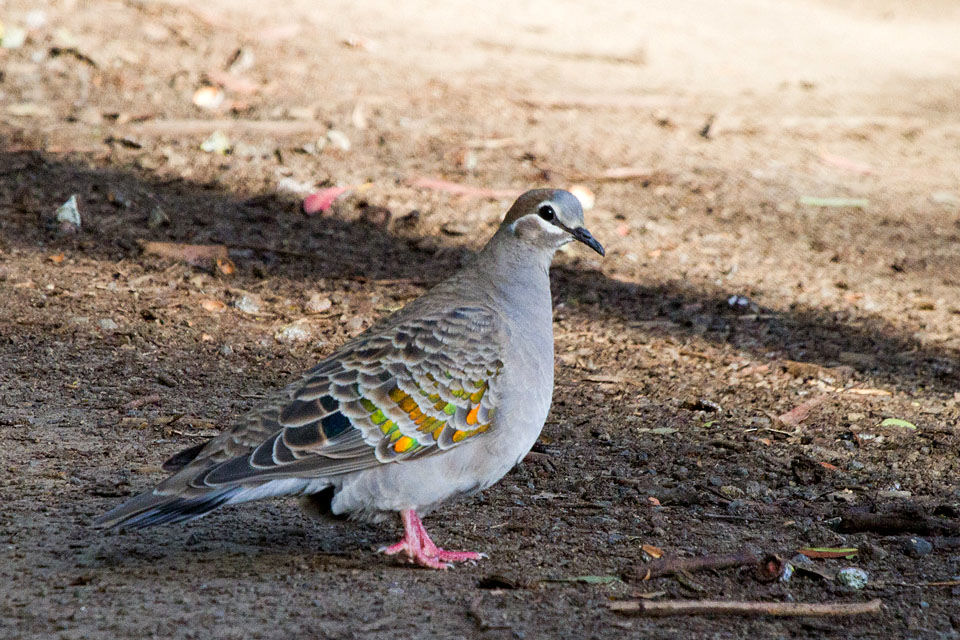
(549, 228)
(535, 229)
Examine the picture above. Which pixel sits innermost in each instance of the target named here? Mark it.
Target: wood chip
(194, 254)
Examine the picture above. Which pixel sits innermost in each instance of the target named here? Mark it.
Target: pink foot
(418, 546)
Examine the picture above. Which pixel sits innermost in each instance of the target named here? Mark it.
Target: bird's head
(549, 219)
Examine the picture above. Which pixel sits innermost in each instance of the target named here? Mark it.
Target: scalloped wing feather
(417, 387)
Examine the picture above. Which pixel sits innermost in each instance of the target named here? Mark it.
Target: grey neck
(519, 271)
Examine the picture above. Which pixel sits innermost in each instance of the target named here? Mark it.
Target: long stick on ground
(672, 564)
(739, 608)
(893, 523)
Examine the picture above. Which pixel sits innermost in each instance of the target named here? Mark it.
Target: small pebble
(738, 301)
(338, 139)
(247, 304)
(801, 560)
(13, 37)
(736, 506)
(318, 303)
(788, 570)
(730, 491)
(158, 218)
(295, 332)
(108, 325)
(118, 199)
(68, 215)
(226, 350)
(294, 187)
(853, 577)
(753, 488)
(218, 142)
(916, 547)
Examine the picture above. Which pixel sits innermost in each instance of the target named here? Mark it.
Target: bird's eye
(546, 212)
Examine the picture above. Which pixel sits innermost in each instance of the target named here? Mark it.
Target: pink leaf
(322, 200)
(799, 413)
(436, 184)
(845, 163)
(233, 82)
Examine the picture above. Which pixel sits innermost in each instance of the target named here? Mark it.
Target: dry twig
(142, 400)
(673, 565)
(891, 523)
(739, 608)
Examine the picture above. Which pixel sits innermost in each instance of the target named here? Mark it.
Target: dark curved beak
(584, 236)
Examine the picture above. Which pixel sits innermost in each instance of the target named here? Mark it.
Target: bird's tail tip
(150, 509)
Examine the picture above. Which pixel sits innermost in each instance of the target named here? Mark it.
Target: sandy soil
(729, 115)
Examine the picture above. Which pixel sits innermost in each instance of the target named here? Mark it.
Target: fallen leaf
(663, 431)
(294, 187)
(436, 184)
(56, 258)
(798, 414)
(652, 551)
(653, 501)
(626, 173)
(208, 97)
(214, 306)
(279, 32)
(829, 552)
(358, 117)
(231, 82)
(494, 143)
(29, 110)
(845, 163)
(322, 200)
(218, 142)
(194, 254)
(827, 465)
(814, 201)
(338, 139)
(897, 422)
(868, 392)
(604, 379)
(226, 266)
(587, 579)
(945, 197)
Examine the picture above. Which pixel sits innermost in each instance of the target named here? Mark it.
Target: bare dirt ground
(666, 427)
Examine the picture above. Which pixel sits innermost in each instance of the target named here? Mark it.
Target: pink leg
(418, 546)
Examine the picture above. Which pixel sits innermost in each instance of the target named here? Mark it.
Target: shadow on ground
(274, 239)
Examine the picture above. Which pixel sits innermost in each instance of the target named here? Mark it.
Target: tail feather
(181, 459)
(149, 509)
